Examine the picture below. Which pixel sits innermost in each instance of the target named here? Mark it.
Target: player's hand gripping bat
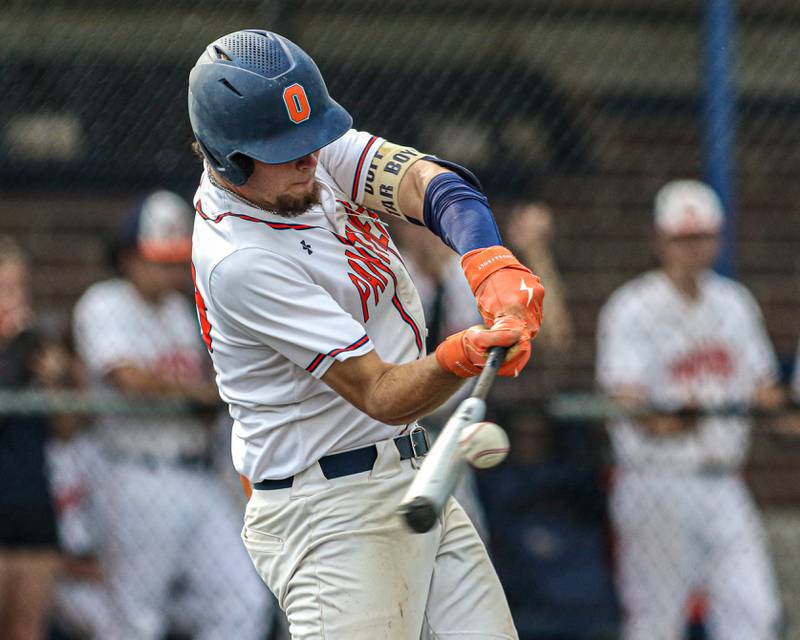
(444, 465)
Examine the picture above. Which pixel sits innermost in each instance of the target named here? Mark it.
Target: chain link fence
(580, 109)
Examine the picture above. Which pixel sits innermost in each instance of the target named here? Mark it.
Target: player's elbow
(389, 405)
(402, 409)
(393, 418)
(366, 383)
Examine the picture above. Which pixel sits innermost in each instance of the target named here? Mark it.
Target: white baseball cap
(160, 228)
(687, 207)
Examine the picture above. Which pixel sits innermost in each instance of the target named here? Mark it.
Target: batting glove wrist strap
(464, 354)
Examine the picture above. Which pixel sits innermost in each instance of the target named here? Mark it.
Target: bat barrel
(420, 514)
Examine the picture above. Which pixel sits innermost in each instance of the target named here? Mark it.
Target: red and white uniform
(280, 299)
(684, 517)
(164, 515)
(115, 326)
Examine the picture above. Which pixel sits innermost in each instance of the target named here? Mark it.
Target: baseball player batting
(317, 337)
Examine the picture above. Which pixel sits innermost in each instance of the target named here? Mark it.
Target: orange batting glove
(504, 287)
(465, 353)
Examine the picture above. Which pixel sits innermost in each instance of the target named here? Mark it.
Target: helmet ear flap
(242, 165)
(236, 170)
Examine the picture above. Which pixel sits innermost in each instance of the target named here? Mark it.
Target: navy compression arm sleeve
(459, 214)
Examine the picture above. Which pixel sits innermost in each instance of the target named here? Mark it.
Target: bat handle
(496, 357)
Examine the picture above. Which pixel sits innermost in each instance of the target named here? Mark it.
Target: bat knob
(419, 514)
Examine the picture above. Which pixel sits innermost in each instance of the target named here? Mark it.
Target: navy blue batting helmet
(256, 95)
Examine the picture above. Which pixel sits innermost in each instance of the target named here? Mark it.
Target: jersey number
(205, 325)
(296, 101)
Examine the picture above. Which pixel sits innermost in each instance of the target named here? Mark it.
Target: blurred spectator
(80, 597)
(683, 337)
(81, 606)
(170, 529)
(530, 233)
(28, 539)
(550, 545)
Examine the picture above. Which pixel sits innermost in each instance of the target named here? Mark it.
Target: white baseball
(483, 444)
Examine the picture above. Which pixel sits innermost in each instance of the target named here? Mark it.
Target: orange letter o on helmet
(296, 101)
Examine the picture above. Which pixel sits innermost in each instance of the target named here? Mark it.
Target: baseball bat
(444, 465)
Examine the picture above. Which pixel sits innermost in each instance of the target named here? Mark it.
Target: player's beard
(292, 206)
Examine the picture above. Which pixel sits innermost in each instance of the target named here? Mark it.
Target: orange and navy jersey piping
(279, 226)
(360, 166)
(409, 321)
(335, 352)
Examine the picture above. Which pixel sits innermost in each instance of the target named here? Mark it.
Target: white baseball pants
(344, 567)
(677, 533)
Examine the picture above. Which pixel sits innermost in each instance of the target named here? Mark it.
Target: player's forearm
(392, 393)
(406, 392)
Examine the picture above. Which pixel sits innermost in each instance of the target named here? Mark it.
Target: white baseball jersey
(280, 299)
(115, 326)
(712, 351)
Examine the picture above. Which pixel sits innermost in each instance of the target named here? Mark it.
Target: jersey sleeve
(277, 304)
(347, 161)
(622, 346)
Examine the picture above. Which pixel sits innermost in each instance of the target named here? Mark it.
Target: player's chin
(290, 205)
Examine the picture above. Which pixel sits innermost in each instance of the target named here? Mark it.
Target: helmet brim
(306, 138)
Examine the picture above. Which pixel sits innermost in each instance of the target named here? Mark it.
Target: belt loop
(387, 464)
(415, 447)
(309, 481)
(418, 432)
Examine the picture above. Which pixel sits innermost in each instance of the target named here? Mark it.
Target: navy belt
(413, 445)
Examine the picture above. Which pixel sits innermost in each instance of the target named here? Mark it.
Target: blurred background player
(168, 521)
(675, 338)
(29, 553)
